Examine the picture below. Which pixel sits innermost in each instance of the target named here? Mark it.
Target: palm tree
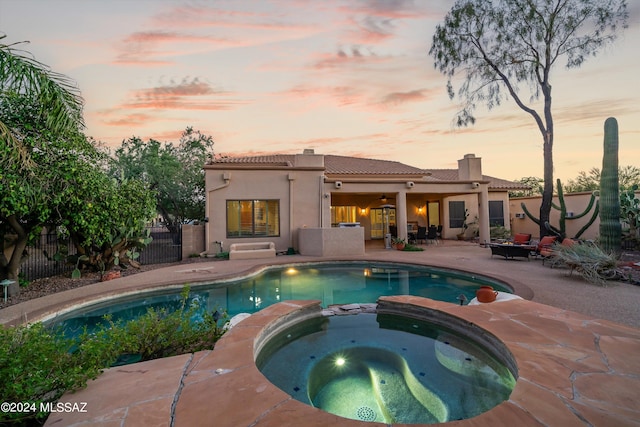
(56, 94)
(37, 105)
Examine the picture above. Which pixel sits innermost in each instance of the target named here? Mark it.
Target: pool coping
(573, 370)
(195, 275)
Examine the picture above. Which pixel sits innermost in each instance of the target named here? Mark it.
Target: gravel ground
(51, 285)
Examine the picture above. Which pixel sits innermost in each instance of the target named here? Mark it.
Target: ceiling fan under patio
(383, 198)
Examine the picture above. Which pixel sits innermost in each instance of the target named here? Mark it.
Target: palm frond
(58, 96)
(18, 154)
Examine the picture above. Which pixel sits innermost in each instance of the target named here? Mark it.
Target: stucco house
(330, 205)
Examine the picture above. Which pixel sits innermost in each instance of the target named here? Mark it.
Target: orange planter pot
(486, 294)
(110, 275)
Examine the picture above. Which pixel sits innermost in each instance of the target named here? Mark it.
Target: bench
(252, 250)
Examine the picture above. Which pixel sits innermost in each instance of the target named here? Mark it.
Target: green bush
(159, 334)
(39, 364)
(36, 366)
(499, 232)
(412, 248)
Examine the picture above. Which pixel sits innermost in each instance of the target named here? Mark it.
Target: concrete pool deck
(577, 348)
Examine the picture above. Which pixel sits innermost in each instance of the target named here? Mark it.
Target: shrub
(36, 366)
(412, 248)
(158, 333)
(499, 232)
(593, 264)
(39, 364)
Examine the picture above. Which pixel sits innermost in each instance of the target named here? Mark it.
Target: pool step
(351, 397)
(397, 396)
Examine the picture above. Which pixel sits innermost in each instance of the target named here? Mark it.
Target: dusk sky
(345, 77)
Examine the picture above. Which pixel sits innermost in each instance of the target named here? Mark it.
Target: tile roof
(494, 183)
(339, 165)
(343, 165)
(269, 160)
(359, 166)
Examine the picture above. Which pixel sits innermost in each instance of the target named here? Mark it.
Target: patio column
(401, 214)
(483, 214)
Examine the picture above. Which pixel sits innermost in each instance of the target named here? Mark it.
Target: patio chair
(432, 234)
(521, 239)
(549, 253)
(421, 234)
(545, 245)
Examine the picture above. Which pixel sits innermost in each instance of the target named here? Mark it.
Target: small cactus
(610, 227)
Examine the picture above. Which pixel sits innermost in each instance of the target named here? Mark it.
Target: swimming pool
(330, 282)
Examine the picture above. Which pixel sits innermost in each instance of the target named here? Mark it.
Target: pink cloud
(173, 136)
(143, 48)
(392, 9)
(346, 57)
(324, 95)
(197, 17)
(186, 95)
(341, 140)
(417, 95)
(129, 120)
(373, 22)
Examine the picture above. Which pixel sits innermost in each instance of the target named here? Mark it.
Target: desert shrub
(39, 364)
(412, 248)
(158, 333)
(499, 232)
(593, 264)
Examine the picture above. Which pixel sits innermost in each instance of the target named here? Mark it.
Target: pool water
(385, 368)
(331, 283)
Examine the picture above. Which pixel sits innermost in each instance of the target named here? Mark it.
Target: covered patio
(272, 198)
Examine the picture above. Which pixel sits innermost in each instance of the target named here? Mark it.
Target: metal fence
(39, 262)
(165, 247)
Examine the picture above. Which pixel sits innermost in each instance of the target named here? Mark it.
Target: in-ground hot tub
(389, 367)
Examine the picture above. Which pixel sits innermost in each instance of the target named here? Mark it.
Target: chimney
(470, 168)
(309, 158)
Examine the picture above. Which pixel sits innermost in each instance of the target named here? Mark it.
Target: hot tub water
(385, 368)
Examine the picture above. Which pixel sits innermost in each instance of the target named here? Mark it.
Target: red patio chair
(545, 245)
(549, 253)
(521, 239)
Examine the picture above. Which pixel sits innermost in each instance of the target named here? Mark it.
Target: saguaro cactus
(610, 227)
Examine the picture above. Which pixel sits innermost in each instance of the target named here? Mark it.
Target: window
(433, 213)
(342, 214)
(252, 218)
(456, 214)
(496, 213)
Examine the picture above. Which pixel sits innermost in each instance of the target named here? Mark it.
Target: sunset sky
(342, 77)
